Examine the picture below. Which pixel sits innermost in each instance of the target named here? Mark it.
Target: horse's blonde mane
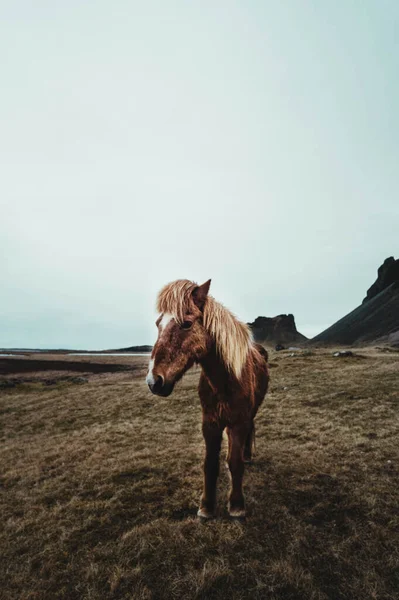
(232, 337)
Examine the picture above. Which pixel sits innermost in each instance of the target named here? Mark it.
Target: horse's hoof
(205, 515)
(237, 513)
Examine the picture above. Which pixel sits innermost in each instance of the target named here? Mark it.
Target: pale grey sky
(254, 142)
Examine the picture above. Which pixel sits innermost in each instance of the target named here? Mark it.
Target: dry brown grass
(100, 484)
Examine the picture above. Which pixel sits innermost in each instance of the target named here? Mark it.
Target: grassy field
(100, 483)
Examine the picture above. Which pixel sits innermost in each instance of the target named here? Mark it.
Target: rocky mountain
(376, 319)
(388, 273)
(276, 330)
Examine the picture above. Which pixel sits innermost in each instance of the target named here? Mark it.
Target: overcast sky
(253, 142)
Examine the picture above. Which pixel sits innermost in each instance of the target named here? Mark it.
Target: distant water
(109, 354)
(92, 354)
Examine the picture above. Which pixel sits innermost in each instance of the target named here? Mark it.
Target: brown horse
(194, 328)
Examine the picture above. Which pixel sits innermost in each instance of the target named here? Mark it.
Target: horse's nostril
(158, 385)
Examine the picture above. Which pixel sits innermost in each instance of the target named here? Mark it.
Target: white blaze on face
(150, 377)
(166, 318)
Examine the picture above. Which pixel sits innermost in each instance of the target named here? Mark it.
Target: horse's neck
(214, 369)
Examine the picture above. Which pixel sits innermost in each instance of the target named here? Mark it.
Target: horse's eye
(186, 324)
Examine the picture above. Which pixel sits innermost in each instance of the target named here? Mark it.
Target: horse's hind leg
(228, 432)
(238, 435)
(249, 443)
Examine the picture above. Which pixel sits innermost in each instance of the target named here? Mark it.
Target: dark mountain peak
(376, 319)
(280, 330)
(388, 273)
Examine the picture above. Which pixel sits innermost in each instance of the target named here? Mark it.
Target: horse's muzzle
(161, 388)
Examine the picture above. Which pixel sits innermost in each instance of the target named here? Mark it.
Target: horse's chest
(222, 404)
(225, 410)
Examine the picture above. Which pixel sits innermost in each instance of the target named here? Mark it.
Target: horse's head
(182, 338)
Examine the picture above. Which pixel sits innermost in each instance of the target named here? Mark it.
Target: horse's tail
(253, 443)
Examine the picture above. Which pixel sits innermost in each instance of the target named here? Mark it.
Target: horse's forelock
(176, 298)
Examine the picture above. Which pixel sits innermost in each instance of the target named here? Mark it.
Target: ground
(100, 483)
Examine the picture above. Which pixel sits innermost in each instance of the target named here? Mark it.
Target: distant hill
(133, 349)
(130, 349)
(276, 330)
(376, 319)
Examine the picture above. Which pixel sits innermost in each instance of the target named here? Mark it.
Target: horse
(193, 328)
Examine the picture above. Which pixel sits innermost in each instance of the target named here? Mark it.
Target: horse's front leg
(213, 439)
(237, 437)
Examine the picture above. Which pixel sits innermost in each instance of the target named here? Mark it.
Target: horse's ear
(200, 293)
